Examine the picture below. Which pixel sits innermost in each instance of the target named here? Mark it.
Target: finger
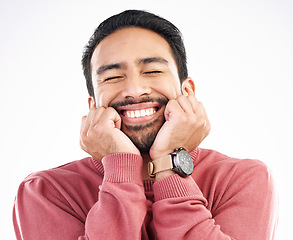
(185, 103)
(83, 120)
(189, 91)
(172, 108)
(204, 122)
(97, 115)
(189, 94)
(202, 110)
(207, 125)
(193, 100)
(194, 103)
(110, 117)
(86, 120)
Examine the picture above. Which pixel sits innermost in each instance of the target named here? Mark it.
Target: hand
(186, 126)
(100, 134)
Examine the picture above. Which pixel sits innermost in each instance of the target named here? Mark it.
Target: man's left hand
(186, 126)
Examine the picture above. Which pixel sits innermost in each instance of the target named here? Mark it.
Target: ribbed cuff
(175, 186)
(123, 167)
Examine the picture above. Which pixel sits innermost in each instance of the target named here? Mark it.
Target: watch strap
(160, 164)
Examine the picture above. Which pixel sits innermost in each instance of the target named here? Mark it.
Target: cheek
(104, 97)
(170, 90)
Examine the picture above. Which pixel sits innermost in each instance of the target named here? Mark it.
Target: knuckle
(172, 102)
(109, 110)
(184, 119)
(82, 145)
(96, 130)
(201, 121)
(91, 134)
(84, 142)
(208, 128)
(82, 136)
(181, 98)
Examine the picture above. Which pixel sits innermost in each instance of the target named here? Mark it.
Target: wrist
(178, 161)
(157, 155)
(164, 174)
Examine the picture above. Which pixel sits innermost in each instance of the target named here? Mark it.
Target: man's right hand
(100, 134)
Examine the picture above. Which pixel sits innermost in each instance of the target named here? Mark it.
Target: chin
(143, 135)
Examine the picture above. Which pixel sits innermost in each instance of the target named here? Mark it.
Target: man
(146, 177)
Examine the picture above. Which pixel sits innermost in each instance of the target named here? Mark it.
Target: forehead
(130, 44)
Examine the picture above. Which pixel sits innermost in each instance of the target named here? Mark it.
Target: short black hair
(142, 19)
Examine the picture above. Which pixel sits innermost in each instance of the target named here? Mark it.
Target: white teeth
(137, 113)
(140, 113)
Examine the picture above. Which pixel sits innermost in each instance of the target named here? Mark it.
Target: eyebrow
(107, 67)
(121, 65)
(152, 59)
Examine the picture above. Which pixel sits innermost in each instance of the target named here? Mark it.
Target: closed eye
(153, 72)
(113, 78)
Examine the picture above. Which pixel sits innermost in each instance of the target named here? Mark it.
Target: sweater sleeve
(121, 208)
(242, 208)
(42, 212)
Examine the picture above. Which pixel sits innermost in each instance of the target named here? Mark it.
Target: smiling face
(133, 70)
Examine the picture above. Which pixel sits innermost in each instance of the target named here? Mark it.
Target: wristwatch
(178, 161)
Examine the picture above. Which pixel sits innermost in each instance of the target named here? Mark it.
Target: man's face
(133, 70)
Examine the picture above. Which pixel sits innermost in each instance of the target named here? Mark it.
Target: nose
(135, 87)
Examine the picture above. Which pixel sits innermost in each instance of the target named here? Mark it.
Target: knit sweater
(224, 198)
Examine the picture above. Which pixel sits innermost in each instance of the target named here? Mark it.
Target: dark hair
(140, 19)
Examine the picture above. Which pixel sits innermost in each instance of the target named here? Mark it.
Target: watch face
(185, 162)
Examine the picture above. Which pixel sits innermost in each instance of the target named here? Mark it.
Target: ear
(91, 102)
(188, 83)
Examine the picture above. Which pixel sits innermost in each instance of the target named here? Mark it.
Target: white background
(239, 53)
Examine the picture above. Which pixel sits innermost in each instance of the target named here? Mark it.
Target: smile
(139, 113)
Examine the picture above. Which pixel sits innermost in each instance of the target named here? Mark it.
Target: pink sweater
(225, 198)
